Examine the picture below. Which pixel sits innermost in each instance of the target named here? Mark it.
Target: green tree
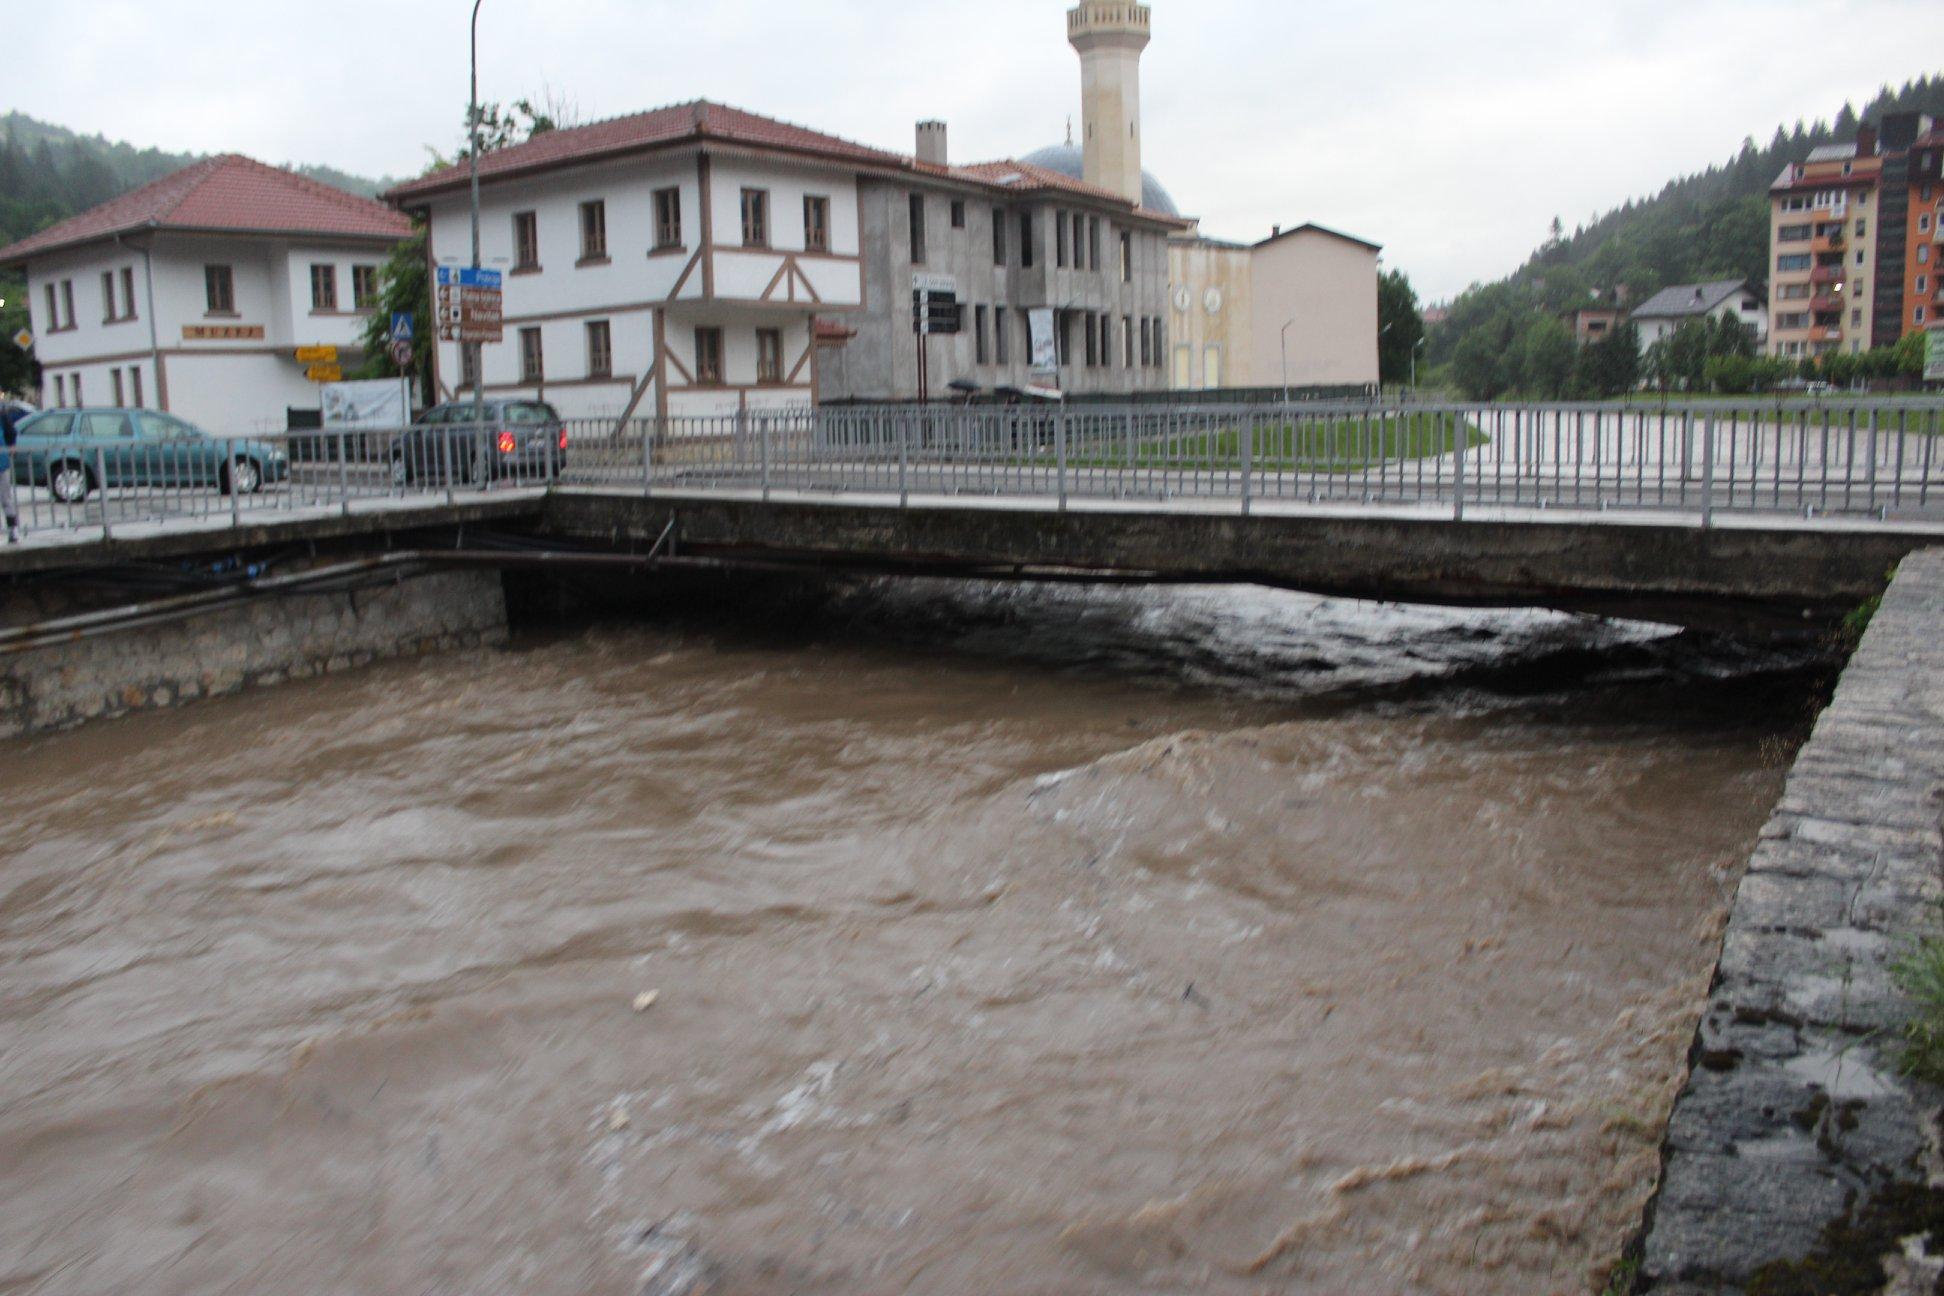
(1400, 326)
(1611, 366)
(1684, 360)
(1908, 354)
(1731, 375)
(1546, 356)
(403, 286)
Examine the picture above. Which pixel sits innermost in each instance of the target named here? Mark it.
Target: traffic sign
(323, 373)
(23, 339)
(317, 355)
(934, 304)
(401, 353)
(469, 304)
(401, 326)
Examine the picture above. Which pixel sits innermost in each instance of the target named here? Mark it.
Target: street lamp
(472, 120)
(1285, 361)
(1414, 350)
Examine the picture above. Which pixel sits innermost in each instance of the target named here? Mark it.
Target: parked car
(69, 451)
(516, 438)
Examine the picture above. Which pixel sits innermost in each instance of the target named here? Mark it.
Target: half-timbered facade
(670, 263)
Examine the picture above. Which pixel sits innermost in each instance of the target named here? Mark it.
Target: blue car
(74, 452)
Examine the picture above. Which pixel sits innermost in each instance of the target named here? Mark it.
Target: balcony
(1824, 303)
(1826, 333)
(1830, 242)
(1823, 274)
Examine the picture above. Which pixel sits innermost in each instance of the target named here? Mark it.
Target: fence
(1883, 460)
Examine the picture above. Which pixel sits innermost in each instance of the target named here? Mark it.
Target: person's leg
(8, 505)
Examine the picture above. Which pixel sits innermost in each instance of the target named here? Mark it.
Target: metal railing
(1881, 459)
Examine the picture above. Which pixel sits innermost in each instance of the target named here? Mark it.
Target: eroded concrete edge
(1794, 1110)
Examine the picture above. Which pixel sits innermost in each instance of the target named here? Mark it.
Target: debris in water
(646, 1000)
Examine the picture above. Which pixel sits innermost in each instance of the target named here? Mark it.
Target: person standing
(9, 438)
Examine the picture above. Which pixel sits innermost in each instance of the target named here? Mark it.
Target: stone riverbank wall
(263, 641)
(1795, 1120)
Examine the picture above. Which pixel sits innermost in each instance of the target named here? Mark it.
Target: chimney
(1866, 140)
(931, 142)
(1275, 231)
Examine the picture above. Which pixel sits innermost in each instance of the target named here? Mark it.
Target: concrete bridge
(1737, 517)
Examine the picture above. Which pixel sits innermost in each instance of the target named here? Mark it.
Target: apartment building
(1853, 241)
(192, 294)
(1922, 306)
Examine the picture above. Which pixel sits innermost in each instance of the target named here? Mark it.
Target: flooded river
(998, 940)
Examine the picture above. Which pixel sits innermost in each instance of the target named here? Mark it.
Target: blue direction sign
(401, 326)
(467, 277)
(468, 304)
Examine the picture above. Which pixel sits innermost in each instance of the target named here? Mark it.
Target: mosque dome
(1068, 160)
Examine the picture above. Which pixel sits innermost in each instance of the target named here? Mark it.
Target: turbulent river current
(889, 938)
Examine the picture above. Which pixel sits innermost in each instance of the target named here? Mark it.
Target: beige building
(1298, 309)
(1232, 306)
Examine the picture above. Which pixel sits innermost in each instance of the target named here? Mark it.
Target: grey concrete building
(1022, 247)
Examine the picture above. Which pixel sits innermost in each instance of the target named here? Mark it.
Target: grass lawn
(1342, 444)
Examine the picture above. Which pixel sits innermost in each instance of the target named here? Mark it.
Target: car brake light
(563, 438)
(506, 443)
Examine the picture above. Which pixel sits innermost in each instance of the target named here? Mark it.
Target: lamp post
(1285, 360)
(472, 121)
(1414, 350)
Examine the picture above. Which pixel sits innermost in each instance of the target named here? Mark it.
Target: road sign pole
(478, 370)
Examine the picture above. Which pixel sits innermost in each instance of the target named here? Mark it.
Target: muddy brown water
(1002, 940)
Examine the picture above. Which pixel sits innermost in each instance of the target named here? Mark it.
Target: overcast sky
(1451, 131)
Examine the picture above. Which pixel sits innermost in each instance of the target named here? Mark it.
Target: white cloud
(1451, 131)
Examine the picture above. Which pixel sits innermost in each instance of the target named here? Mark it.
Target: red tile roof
(228, 192)
(703, 121)
(657, 128)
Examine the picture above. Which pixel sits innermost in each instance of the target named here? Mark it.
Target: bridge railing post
(236, 496)
(903, 424)
(763, 448)
(1459, 424)
(1707, 472)
(1249, 424)
(344, 472)
(101, 487)
(1060, 453)
(648, 458)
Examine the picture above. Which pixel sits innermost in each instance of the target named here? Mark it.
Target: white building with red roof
(698, 260)
(193, 293)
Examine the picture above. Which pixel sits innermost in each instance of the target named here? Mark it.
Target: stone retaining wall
(264, 641)
(1795, 1116)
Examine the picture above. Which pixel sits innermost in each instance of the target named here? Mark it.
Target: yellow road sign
(322, 373)
(317, 355)
(23, 339)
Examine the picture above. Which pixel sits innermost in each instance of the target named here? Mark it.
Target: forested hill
(1708, 226)
(48, 173)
